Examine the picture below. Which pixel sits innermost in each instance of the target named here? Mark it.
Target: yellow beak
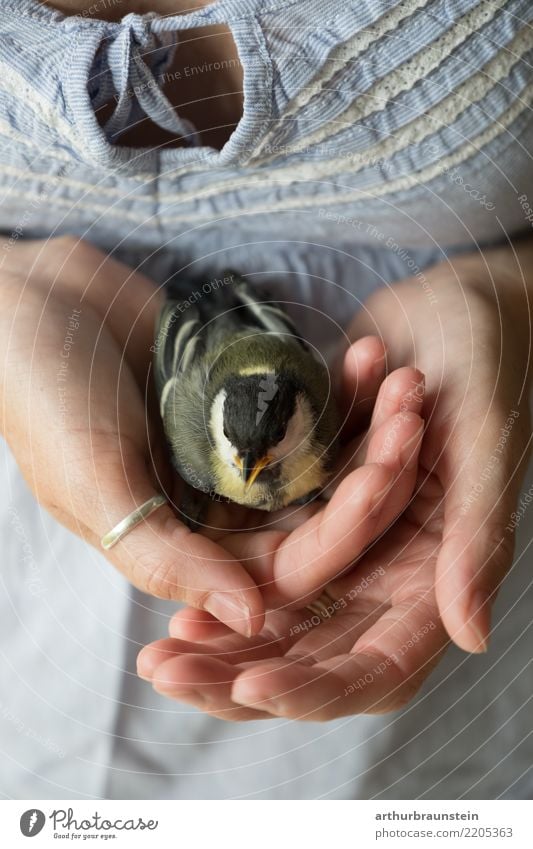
(257, 469)
(250, 476)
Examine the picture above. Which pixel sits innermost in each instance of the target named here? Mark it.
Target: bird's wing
(179, 343)
(178, 352)
(264, 313)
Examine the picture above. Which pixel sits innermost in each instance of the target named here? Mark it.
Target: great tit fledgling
(247, 408)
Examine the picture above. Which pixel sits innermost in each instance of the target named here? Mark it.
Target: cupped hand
(383, 638)
(76, 334)
(466, 326)
(77, 328)
(435, 573)
(384, 634)
(292, 554)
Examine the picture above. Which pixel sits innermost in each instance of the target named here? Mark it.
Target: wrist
(504, 277)
(504, 272)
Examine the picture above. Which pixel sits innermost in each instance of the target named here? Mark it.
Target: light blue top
(376, 136)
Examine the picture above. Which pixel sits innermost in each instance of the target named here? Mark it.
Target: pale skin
(441, 563)
(93, 461)
(436, 570)
(90, 468)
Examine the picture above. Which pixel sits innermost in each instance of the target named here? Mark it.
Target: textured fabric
(376, 136)
(375, 120)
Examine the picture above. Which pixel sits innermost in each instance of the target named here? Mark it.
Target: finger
(270, 555)
(400, 393)
(205, 683)
(202, 676)
(328, 542)
(233, 648)
(482, 483)
(282, 627)
(395, 444)
(291, 567)
(292, 689)
(382, 673)
(196, 626)
(363, 505)
(161, 556)
(295, 567)
(337, 635)
(362, 371)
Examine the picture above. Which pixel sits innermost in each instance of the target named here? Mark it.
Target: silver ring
(132, 520)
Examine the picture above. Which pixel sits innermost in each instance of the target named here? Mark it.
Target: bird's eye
(280, 433)
(226, 432)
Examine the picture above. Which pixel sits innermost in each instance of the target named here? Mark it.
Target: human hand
(383, 639)
(453, 543)
(92, 462)
(466, 325)
(76, 331)
(386, 596)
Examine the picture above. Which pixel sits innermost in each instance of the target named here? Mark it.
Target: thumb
(481, 484)
(161, 556)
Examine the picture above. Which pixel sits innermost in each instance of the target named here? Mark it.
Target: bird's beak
(250, 468)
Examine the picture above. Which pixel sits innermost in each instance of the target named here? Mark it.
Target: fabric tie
(138, 93)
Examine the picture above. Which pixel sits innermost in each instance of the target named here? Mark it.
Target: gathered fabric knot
(136, 58)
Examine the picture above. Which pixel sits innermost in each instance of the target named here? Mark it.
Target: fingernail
(233, 612)
(409, 454)
(479, 622)
(146, 664)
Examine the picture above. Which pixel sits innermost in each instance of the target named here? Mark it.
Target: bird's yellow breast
(301, 475)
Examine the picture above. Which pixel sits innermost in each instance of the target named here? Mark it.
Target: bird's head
(258, 420)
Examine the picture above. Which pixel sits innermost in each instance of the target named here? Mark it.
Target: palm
(385, 618)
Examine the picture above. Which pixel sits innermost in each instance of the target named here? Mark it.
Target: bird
(246, 404)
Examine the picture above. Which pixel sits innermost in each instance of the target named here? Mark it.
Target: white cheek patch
(295, 445)
(225, 450)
